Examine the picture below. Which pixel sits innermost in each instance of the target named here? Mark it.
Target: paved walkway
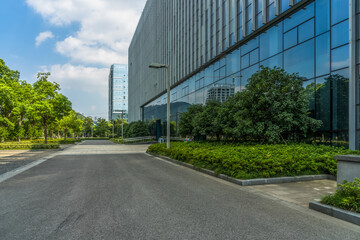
(299, 193)
(129, 195)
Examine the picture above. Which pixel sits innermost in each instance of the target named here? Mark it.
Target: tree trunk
(65, 135)
(2, 139)
(45, 133)
(19, 137)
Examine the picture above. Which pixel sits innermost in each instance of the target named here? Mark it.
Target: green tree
(137, 129)
(45, 100)
(88, 126)
(274, 107)
(103, 128)
(186, 123)
(205, 122)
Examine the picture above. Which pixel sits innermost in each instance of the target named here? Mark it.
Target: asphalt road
(108, 191)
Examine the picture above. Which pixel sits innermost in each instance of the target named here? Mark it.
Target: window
(306, 31)
(323, 54)
(271, 42)
(339, 10)
(340, 34)
(299, 17)
(290, 38)
(300, 59)
(340, 57)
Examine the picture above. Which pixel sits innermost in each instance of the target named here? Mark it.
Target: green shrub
(116, 140)
(13, 146)
(346, 197)
(95, 138)
(247, 161)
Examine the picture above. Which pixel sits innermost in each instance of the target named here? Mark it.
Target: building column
(353, 141)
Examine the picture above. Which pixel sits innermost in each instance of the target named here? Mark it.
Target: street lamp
(157, 66)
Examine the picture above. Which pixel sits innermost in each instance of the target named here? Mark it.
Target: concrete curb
(336, 212)
(250, 182)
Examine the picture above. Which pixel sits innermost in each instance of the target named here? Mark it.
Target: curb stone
(249, 182)
(345, 215)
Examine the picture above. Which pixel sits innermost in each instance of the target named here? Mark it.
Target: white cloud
(106, 27)
(43, 37)
(86, 79)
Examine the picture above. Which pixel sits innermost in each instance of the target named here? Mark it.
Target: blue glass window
(299, 17)
(300, 59)
(339, 10)
(271, 42)
(323, 54)
(340, 57)
(271, 12)
(254, 56)
(284, 5)
(250, 45)
(306, 31)
(322, 16)
(233, 62)
(245, 61)
(340, 34)
(323, 100)
(290, 38)
(275, 61)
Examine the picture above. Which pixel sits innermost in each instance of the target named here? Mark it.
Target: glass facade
(310, 38)
(118, 92)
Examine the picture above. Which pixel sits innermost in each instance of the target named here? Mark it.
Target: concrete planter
(336, 212)
(348, 168)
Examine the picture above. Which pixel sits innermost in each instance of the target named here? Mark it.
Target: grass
(249, 161)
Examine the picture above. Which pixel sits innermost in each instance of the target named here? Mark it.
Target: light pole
(157, 66)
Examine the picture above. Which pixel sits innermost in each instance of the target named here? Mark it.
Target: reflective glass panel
(322, 16)
(340, 57)
(339, 10)
(299, 17)
(340, 34)
(300, 59)
(271, 42)
(306, 31)
(323, 54)
(290, 38)
(275, 61)
(323, 101)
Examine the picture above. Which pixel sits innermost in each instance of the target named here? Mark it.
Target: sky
(75, 40)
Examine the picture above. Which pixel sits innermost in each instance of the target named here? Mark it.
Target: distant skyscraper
(118, 91)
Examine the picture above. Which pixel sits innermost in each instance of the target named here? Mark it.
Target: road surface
(100, 190)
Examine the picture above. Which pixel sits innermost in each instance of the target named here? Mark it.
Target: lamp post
(157, 66)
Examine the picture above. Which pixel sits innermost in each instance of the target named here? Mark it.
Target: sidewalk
(299, 193)
(12, 159)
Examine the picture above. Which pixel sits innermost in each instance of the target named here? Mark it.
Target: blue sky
(76, 40)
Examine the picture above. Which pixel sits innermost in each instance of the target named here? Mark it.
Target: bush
(346, 197)
(116, 140)
(13, 146)
(94, 138)
(247, 161)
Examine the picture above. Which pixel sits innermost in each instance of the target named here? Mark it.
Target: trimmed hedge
(13, 146)
(346, 197)
(116, 140)
(95, 138)
(58, 140)
(248, 161)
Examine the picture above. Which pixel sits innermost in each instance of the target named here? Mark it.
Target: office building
(118, 92)
(215, 42)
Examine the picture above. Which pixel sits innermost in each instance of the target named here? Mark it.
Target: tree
(88, 126)
(137, 129)
(45, 101)
(274, 107)
(204, 123)
(186, 122)
(102, 128)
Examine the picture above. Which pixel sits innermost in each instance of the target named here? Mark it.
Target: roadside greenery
(346, 197)
(28, 145)
(247, 161)
(272, 109)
